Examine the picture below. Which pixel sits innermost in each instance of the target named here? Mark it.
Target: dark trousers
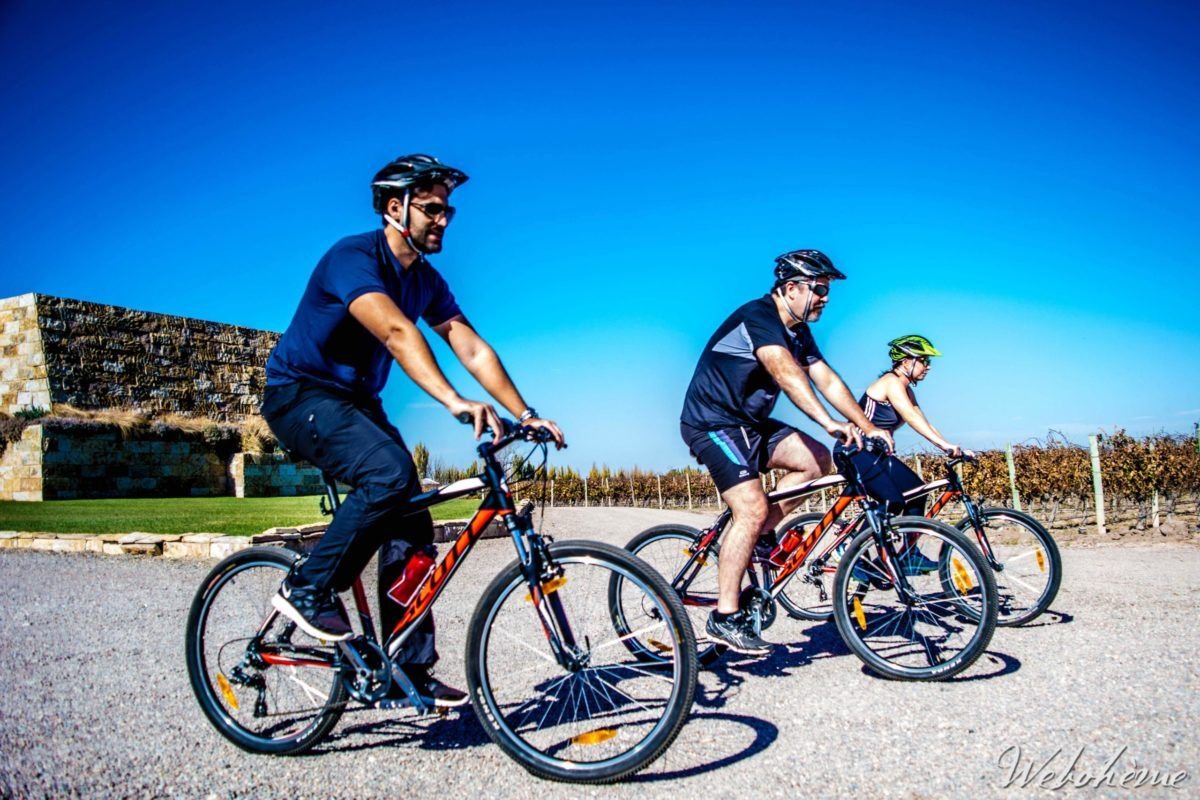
(350, 438)
(886, 479)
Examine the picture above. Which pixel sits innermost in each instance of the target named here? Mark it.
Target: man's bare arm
(794, 381)
(377, 313)
(484, 364)
(834, 389)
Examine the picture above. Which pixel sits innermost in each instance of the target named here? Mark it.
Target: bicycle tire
(579, 752)
(943, 631)
(1020, 544)
(228, 610)
(805, 600)
(666, 549)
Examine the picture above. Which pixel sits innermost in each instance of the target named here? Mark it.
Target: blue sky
(1020, 183)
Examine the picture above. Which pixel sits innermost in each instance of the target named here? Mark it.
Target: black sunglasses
(435, 210)
(819, 289)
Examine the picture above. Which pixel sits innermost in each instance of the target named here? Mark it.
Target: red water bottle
(790, 541)
(419, 565)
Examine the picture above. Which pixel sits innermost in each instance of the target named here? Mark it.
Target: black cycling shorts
(735, 455)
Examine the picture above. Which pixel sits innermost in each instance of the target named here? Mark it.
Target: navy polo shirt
(325, 344)
(731, 387)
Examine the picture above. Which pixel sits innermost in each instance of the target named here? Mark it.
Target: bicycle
(904, 620)
(1022, 554)
(546, 671)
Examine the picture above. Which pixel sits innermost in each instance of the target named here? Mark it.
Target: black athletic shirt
(880, 412)
(731, 387)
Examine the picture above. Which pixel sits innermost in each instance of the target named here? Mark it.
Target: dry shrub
(257, 436)
(127, 420)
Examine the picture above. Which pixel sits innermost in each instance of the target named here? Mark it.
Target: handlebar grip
(465, 418)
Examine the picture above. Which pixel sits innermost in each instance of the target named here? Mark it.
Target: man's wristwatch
(529, 413)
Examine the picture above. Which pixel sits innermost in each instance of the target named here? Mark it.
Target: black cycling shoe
(318, 613)
(432, 691)
(736, 632)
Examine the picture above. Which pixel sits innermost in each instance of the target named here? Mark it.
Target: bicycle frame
(952, 490)
(532, 555)
(850, 494)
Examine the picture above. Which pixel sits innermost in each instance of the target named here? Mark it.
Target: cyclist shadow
(823, 641)
(456, 731)
(765, 734)
(1049, 618)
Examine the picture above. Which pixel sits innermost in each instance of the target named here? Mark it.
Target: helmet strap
(402, 227)
(788, 308)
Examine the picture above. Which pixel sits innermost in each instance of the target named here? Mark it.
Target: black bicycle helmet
(407, 171)
(805, 265)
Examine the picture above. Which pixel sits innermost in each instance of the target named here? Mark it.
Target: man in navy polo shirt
(357, 315)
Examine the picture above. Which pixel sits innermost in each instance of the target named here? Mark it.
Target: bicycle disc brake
(759, 605)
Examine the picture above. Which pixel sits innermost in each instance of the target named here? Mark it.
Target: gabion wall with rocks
(88, 355)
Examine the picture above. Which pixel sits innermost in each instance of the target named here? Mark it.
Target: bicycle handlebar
(512, 432)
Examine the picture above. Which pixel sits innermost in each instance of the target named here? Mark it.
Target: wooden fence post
(658, 480)
(1154, 497)
(632, 496)
(1012, 476)
(585, 493)
(607, 493)
(1097, 484)
(917, 463)
(687, 476)
(552, 492)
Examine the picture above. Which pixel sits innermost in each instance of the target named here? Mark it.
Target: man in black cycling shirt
(765, 346)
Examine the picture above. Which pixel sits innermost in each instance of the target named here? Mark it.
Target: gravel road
(95, 702)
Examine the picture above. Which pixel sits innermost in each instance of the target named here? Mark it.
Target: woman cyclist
(888, 403)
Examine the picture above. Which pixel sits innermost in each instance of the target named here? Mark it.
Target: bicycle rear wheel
(937, 631)
(1030, 565)
(262, 682)
(609, 714)
(808, 593)
(668, 549)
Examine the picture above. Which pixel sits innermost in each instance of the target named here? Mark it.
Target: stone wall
(272, 475)
(24, 382)
(59, 461)
(55, 350)
(21, 467)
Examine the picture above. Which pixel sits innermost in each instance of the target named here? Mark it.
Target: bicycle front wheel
(262, 682)
(670, 551)
(940, 625)
(1030, 567)
(604, 714)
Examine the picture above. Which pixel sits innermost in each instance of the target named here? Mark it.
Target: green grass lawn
(234, 515)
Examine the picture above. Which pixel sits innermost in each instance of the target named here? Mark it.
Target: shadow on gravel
(1048, 619)
(989, 665)
(456, 731)
(765, 735)
(818, 641)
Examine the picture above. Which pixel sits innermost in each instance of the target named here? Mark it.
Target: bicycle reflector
(859, 616)
(227, 691)
(1041, 559)
(549, 587)
(595, 737)
(962, 581)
